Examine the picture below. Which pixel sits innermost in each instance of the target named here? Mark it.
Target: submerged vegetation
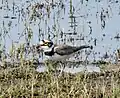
(24, 23)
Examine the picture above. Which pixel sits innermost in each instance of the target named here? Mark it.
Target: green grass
(25, 82)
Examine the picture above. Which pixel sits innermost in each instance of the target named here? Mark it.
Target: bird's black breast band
(50, 53)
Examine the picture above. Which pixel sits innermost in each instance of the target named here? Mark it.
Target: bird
(59, 52)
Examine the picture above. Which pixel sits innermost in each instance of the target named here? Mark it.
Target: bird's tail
(85, 46)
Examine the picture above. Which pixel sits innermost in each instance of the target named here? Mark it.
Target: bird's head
(46, 44)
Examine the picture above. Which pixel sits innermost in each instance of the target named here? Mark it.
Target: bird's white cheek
(41, 43)
(44, 47)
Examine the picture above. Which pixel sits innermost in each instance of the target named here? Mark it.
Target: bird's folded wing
(65, 50)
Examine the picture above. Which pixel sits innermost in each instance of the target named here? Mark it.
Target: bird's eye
(46, 44)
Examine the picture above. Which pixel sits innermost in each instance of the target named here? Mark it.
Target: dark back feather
(67, 50)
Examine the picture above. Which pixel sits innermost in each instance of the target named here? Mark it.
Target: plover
(59, 52)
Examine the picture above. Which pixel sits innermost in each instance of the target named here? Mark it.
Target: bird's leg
(48, 65)
(51, 65)
(62, 66)
(54, 65)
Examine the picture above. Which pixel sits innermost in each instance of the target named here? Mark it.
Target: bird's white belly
(57, 57)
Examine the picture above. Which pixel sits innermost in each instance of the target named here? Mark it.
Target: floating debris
(0, 7)
(117, 36)
(95, 41)
(104, 35)
(105, 56)
(6, 16)
(100, 62)
(13, 17)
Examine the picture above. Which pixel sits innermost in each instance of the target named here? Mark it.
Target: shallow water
(89, 29)
(88, 18)
(68, 69)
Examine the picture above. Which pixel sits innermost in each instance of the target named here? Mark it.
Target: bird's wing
(65, 50)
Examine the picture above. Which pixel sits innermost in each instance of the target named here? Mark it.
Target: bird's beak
(38, 47)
